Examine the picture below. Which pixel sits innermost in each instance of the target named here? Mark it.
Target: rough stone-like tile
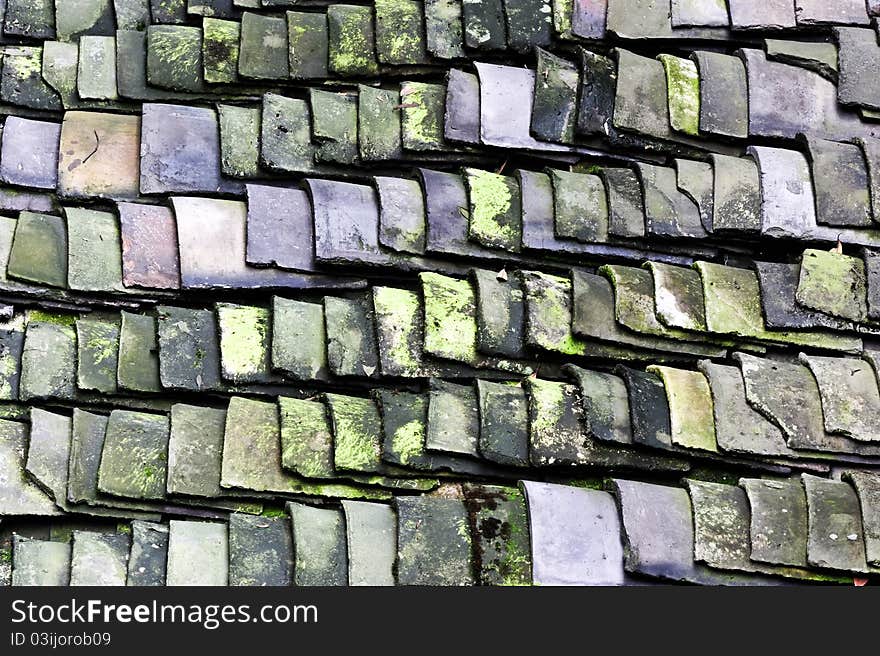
(737, 197)
(48, 453)
(724, 108)
(503, 428)
(11, 346)
(335, 126)
(575, 536)
(97, 342)
(678, 296)
(733, 300)
(773, 14)
(597, 93)
(554, 112)
(626, 206)
(135, 456)
(422, 113)
(94, 261)
(40, 562)
(453, 419)
(357, 434)
(778, 282)
(815, 56)
(605, 401)
(19, 495)
(697, 180)
(138, 366)
(351, 41)
(99, 559)
(131, 69)
(548, 314)
(149, 551)
(245, 342)
(22, 82)
(99, 155)
(346, 219)
(840, 181)
(400, 332)
(48, 362)
(500, 314)
(168, 12)
(306, 438)
(30, 153)
(850, 398)
(299, 340)
(739, 428)
(240, 140)
(96, 74)
(351, 337)
(220, 8)
(260, 550)
(401, 214)
(444, 33)
(447, 226)
(189, 353)
(867, 486)
(833, 283)
(220, 50)
(132, 14)
(433, 542)
(690, 408)
(174, 58)
(858, 56)
(683, 89)
(506, 100)
(669, 212)
(60, 62)
(30, 18)
(658, 533)
(371, 536)
(872, 272)
(641, 100)
(400, 32)
(378, 130)
(87, 442)
(195, 449)
(648, 407)
(180, 150)
(39, 250)
(450, 317)
(495, 219)
(500, 534)
(319, 544)
(788, 207)
(871, 151)
(264, 52)
(279, 228)
(462, 120)
(580, 206)
(149, 246)
(484, 25)
(198, 554)
(307, 42)
(834, 521)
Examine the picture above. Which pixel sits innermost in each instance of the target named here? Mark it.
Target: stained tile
(697, 180)
(174, 58)
(691, 417)
(189, 352)
(668, 211)
(279, 228)
(99, 559)
(850, 398)
(683, 89)
(678, 296)
(97, 354)
(149, 550)
(423, 107)
(357, 434)
(30, 153)
(378, 131)
(48, 362)
(626, 206)
(99, 155)
(447, 227)
(453, 419)
(788, 206)
(778, 282)
(220, 50)
(299, 340)
(401, 214)
(433, 542)
(846, 12)
(11, 345)
(40, 562)
(346, 219)
(260, 550)
(580, 206)
(307, 41)
(774, 14)
(30, 18)
(48, 454)
(60, 63)
(500, 534)
(198, 554)
(371, 536)
(840, 182)
(813, 55)
(264, 50)
(737, 196)
(597, 93)
(494, 208)
(195, 449)
(523, 31)
(335, 126)
(135, 455)
(554, 112)
(444, 32)
(132, 14)
(724, 108)
(833, 283)
(500, 314)
(605, 401)
(306, 438)
(649, 408)
(503, 416)
(400, 32)
(695, 13)
(351, 337)
(834, 522)
(245, 342)
(19, 495)
(351, 40)
(94, 259)
(168, 12)
(867, 486)
(548, 314)
(39, 250)
(400, 331)
(149, 246)
(22, 82)
(138, 367)
(319, 544)
(641, 101)
(240, 129)
(96, 74)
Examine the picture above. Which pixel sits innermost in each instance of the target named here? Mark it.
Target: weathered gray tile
(554, 112)
(306, 438)
(737, 196)
(500, 314)
(94, 260)
(19, 495)
(260, 550)
(696, 13)
(724, 108)
(48, 453)
(22, 82)
(523, 31)
(264, 50)
(444, 31)
(299, 340)
(240, 140)
(149, 246)
(351, 41)
(626, 205)
(668, 211)
(279, 228)
(30, 18)
(503, 428)
(816, 12)
(834, 524)
(174, 58)
(96, 74)
(97, 342)
(378, 130)
(849, 394)
(39, 250)
(334, 126)
(648, 407)
(691, 420)
(135, 456)
(833, 283)
(189, 354)
(840, 182)
(462, 119)
(346, 217)
(30, 153)
(11, 346)
(597, 93)
(867, 487)
(371, 535)
(195, 447)
(433, 542)
(778, 282)
(245, 342)
(198, 554)
(149, 551)
(641, 101)
(60, 62)
(773, 14)
(138, 366)
(500, 534)
(401, 214)
(580, 206)
(132, 14)
(99, 559)
(605, 402)
(423, 108)
(400, 32)
(494, 209)
(40, 562)
(683, 90)
(453, 419)
(697, 180)
(48, 361)
(319, 544)
(678, 296)
(816, 56)
(858, 55)
(220, 50)
(351, 337)
(307, 42)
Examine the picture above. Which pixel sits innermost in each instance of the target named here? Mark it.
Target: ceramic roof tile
(737, 196)
(500, 314)
(48, 362)
(779, 282)
(462, 120)
(135, 454)
(222, 8)
(484, 25)
(245, 342)
(96, 74)
(848, 389)
(351, 40)
(606, 404)
(840, 181)
(597, 93)
(668, 211)
(422, 115)
(351, 337)
(503, 415)
(494, 209)
(523, 31)
(132, 14)
(189, 354)
(453, 419)
(335, 126)
(815, 12)
(60, 62)
(694, 13)
(444, 32)
(871, 151)
(580, 206)
(788, 206)
(648, 407)
(195, 450)
(400, 331)
(220, 50)
(872, 271)
(97, 342)
(357, 430)
(724, 98)
(696, 180)
(11, 345)
(450, 317)
(690, 408)
(39, 250)
(34, 19)
(174, 58)
(562, 15)
(40, 562)
(149, 246)
(30, 153)
(21, 82)
(260, 550)
(264, 50)
(447, 228)
(131, 69)
(94, 261)
(300, 344)
(815, 56)
(833, 283)
(346, 220)
(279, 228)
(307, 38)
(775, 14)
(319, 544)
(198, 554)
(683, 90)
(99, 559)
(306, 438)
(554, 112)
(641, 100)
(400, 32)
(678, 296)
(500, 534)
(402, 220)
(149, 550)
(548, 314)
(867, 486)
(834, 522)
(138, 367)
(378, 130)
(626, 206)
(19, 495)
(371, 537)
(433, 542)
(168, 11)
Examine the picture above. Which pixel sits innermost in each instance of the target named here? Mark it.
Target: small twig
(97, 145)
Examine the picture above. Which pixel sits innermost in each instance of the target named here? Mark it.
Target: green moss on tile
(352, 50)
(356, 445)
(422, 121)
(450, 317)
(244, 339)
(494, 210)
(409, 441)
(683, 88)
(397, 313)
(59, 318)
